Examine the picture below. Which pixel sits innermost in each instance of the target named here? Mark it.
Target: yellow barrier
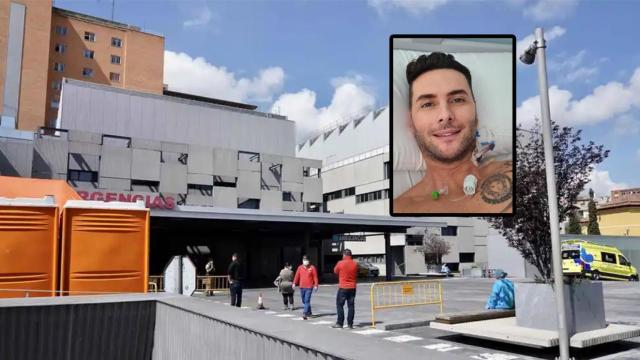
(385, 295)
(156, 283)
(212, 284)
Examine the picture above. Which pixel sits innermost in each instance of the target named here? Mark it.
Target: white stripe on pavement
(370, 332)
(270, 312)
(285, 315)
(442, 347)
(403, 338)
(322, 322)
(489, 356)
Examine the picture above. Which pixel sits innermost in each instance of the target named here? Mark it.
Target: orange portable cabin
(105, 247)
(29, 230)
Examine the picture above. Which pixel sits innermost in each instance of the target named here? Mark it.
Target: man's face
(443, 115)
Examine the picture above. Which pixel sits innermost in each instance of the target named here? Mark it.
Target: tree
(434, 247)
(593, 228)
(574, 225)
(528, 230)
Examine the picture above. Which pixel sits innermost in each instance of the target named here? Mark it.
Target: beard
(431, 150)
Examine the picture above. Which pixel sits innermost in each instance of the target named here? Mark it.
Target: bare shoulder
(408, 200)
(496, 186)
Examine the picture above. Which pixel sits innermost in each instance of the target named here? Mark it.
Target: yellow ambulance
(583, 258)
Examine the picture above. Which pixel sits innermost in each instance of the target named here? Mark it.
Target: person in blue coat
(502, 295)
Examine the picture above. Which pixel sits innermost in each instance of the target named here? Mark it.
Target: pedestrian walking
(307, 280)
(347, 271)
(284, 282)
(235, 276)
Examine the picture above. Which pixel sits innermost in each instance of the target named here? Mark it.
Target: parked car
(587, 259)
(366, 269)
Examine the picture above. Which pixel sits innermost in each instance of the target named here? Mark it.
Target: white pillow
(491, 75)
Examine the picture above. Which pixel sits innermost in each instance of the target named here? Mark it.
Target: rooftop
(99, 21)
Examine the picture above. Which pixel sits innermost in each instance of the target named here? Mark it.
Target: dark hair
(287, 264)
(346, 252)
(434, 61)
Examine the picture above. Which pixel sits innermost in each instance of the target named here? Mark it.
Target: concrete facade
(355, 180)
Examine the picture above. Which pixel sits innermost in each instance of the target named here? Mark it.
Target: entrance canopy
(289, 221)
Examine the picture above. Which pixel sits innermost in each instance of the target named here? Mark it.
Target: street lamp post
(538, 49)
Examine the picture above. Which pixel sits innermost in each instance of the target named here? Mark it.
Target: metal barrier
(213, 284)
(385, 295)
(156, 283)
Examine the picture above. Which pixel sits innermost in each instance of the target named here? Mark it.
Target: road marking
(322, 322)
(244, 307)
(270, 312)
(370, 332)
(403, 338)
(217, 301)
(285, 315)
(442, 347)
(296, 318)
(489, 356)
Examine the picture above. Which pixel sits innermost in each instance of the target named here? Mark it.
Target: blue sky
(321, 61)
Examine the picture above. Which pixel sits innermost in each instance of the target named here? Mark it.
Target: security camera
(529, 55)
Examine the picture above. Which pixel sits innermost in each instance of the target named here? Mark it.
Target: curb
(404, 325)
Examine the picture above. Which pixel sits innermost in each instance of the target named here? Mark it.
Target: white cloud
(523, 44)
(602, 184)
(201, 16)
(350, 98)
(582, 73)
(413, 7)
(626, 125)
(604, 103)
(550, 9)
(570, 68)
(197, 76)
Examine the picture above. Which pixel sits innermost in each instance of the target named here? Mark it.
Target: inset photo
(452, 125)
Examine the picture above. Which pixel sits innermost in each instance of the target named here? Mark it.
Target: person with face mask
(347, 271)
(307, 279)
(284, 282)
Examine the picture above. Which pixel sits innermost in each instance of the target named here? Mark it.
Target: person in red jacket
(307, 280)
(347, 271)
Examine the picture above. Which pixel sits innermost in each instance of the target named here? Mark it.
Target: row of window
(88, 36)
(87, 53)
(339, 194)
(372, 196)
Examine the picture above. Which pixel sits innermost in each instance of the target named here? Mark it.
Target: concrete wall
(126, 113)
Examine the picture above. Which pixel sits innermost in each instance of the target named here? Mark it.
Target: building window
(115, 77)
(89, 36)
(87, 72)
(372, 196)
(89, 54)
(449, 231)
(56, 85)
(61, 30)
(287, 196)
(116, 42)
(387, 169)
(58, 67)
(314, 207)
(82, 175)
(248, 156)
(414, 240)
(623, 261)
(60, 48)
(205, 190)
(467, 257)
(249, 204)
(220, 181)
(339, 194)
(115, 59)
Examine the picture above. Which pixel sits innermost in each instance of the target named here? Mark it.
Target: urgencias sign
(151, 201)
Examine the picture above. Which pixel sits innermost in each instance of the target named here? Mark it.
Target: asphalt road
(622, 305)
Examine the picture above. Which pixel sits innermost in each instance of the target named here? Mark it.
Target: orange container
(28, 247)
(105, 247)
